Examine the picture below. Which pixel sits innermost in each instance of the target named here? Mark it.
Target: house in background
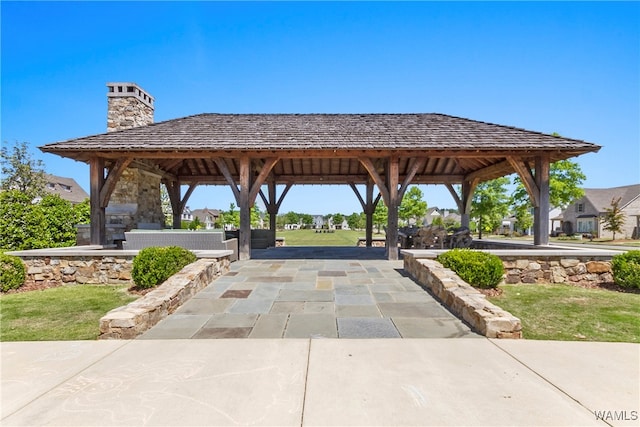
(67, 188)
(186, 215)
(583, 215)
(208, 217)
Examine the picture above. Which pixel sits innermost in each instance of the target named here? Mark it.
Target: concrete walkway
(319, 382)
(306, 297)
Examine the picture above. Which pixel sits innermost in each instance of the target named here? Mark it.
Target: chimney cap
(129, 89)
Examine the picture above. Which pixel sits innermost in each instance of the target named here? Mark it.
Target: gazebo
(255, 153)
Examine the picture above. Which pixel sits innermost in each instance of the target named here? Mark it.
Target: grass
(63, 313)
(311, 238)
(569, 313)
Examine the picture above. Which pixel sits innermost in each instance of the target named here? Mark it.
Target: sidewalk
(312, 382)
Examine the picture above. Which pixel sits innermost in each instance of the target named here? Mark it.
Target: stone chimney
(128, 106)
(135, 201)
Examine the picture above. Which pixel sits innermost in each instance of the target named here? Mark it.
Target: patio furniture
(192, 240)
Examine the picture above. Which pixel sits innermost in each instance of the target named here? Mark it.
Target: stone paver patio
(304, 296)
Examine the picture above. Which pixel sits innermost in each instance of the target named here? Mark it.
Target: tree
(255, 216)
(337, 219)
(291, 218)
(613, 218)
(356, 221)
(490, 204)
(380, 215)
(412, 205)
(565, 181)
(524, 219)
(231, 217)
(307, 220)
(22, 172)
(165, 202)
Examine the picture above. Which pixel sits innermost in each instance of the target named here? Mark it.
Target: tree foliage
(357, 221)
(380, 215)
(49, 223)
(412, 205)
(613, 217)
(490, 204)
(22, 172)
(565, 181)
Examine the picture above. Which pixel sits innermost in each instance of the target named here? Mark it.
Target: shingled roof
(324, 148)
(601, 197)
(320, 132)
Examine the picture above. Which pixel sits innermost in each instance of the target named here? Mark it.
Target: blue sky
(566, 67)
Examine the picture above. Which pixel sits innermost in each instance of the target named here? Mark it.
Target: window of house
(51, 186)
(580, 207)
(586, 225)
(65, 188)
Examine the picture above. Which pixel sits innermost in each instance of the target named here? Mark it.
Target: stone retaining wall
(131, 320)
(60, 270)
(87, 264)
(462, 299)
(579, 270)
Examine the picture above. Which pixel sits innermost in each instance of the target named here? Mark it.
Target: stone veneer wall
(135, 200)
(578, 270)
(61, 269)
(462, 299)
(131, 320)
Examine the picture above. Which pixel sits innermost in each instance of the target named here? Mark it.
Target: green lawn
(311, 238)
(569, 313)
(64, 313)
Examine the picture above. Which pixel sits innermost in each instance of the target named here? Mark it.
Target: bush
(154, 265)
(479, 269)
(626, 269)
(12, 272)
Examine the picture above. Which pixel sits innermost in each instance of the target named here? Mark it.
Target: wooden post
(541, 212)
(392, 218)
(370, 208)
(464, 202)
(244, 241)
(98, 225)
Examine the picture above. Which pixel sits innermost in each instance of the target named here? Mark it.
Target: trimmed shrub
(12, 272)
(479, 269)
(626, 269)
(154, 265)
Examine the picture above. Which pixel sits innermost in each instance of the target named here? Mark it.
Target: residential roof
(66, 188)
(601, 198)
(324, 148)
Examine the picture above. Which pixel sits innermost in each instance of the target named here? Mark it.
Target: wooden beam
(416, 164)
(527, 178)
(260, 179)
(394, 202)
(224, 169)
(112, 180)
(367, 163)
(244, 241)
(464, 201)
(173, 190)
(541, 212)
(360, 199)
(98, 221)
(480, 174)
